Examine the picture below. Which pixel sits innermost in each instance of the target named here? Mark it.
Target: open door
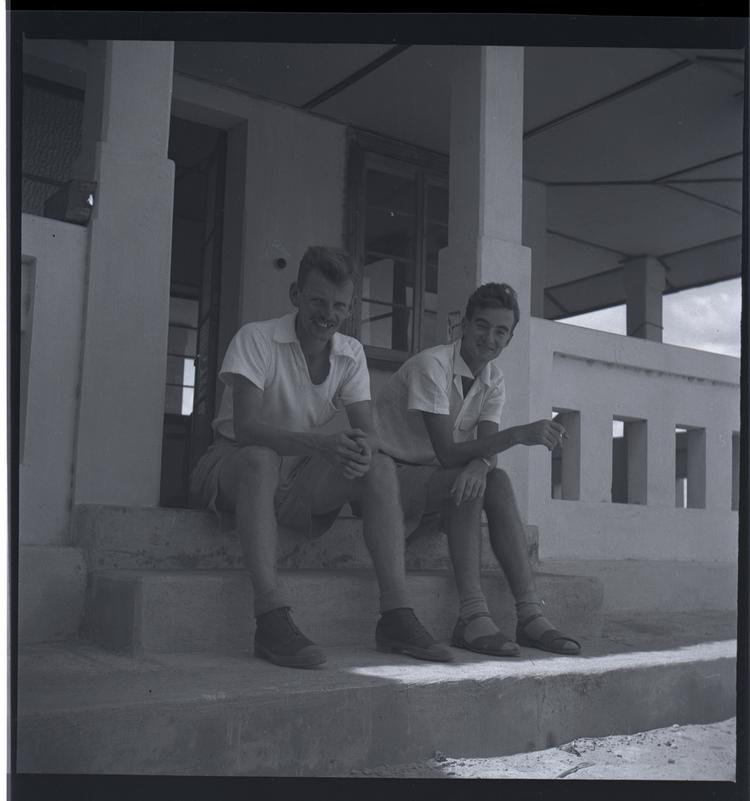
(206, 362)
(199, 154)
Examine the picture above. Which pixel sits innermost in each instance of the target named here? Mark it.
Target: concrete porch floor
(84, 710)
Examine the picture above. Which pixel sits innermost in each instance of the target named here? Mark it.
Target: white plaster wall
(45, 473)
(294, 186)
(605, 375)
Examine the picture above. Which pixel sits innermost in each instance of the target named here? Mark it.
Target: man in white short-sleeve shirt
(439, 417)
(271, 463)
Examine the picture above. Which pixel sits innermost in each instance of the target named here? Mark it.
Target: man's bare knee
(257, 463)
(381, 477)
(498, 485)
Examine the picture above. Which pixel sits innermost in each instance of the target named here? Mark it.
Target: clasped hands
(350, 451)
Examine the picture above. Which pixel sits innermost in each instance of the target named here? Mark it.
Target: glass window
(182, 342)
(400, 224)
(388, 274)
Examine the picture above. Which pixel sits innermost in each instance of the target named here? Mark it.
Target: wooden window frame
(365, 149)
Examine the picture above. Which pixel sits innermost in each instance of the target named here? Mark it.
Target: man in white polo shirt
(270, 463)
(439, 417)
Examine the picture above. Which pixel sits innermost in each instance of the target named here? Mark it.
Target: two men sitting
(429, 448)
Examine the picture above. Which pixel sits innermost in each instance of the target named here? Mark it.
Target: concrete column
(596, 456)
(485, 216)
(661, 449)
(636, 442)
(719, 471)
(535, 238)
(696, 468)
(644, 286)
(120, 419)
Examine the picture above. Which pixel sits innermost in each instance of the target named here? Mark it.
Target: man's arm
(341, 448)
(457, 454)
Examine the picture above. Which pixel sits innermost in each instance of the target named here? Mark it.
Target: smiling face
(323, 306)
(485, 335)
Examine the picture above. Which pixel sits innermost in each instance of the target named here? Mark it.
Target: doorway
(199, 155)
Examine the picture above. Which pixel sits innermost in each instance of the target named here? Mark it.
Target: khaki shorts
(298, 477)
(413, 481)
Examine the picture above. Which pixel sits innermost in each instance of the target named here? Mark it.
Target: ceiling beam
(553, 299)
(716, 63)
(721, 59)
(702, 181)
(650, 182)
(584, 278)
(598, 183)
(699, 166)
(626, 90)
(590, 244)
(354, 77)
(702, 245)
(702, 199)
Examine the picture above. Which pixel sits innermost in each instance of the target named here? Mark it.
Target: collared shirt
(269, 354)
(430, 381)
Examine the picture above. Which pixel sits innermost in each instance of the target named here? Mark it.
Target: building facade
(164, 207)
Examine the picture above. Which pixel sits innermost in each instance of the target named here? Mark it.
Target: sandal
(488, 644)
(550, 640)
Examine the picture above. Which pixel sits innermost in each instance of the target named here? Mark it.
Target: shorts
(298, 477)
(413, 481)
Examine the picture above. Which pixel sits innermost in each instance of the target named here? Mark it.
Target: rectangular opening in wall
(735, 471)
(629, 477)
(690, 467)
(566, 460)
(181, 352)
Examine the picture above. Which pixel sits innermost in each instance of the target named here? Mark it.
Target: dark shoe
(399, 632)
(550, 640)
(489, 644)
(278, 640)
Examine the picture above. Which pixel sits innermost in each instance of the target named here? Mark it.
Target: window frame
(428, 168)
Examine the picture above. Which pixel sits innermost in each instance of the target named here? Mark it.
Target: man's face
(485, 335)
(323, 306)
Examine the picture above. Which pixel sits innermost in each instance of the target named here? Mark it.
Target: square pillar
(596, 456)
(485, 217)
(535, 238)
(719, 472)
(660, 455)
(644, 286)
(120, 416)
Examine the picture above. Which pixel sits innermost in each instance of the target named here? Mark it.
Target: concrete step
(167, 539)
(154, 611)
(83, 710)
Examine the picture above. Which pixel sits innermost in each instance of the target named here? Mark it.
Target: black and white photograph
(376, 400)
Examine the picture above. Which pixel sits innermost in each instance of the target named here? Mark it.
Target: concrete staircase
(162, 679)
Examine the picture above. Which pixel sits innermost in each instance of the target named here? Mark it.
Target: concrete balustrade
(591, 378)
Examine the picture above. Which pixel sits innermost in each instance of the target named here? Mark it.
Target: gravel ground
(677, 753)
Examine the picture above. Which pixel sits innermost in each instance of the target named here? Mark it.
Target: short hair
(334, 264)
(496, 296)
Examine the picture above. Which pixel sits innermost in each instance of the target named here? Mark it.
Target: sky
(705, 318)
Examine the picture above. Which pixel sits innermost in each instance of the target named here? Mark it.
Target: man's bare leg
(462, 525)
(398, 629)
(508, 540)
(383, 525)
(247, 484)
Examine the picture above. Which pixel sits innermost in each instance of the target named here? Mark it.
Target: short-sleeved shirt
(431, 381)
(269, 355)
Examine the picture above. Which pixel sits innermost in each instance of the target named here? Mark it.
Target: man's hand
(471, 482)
(349, 451)
(542, 432)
